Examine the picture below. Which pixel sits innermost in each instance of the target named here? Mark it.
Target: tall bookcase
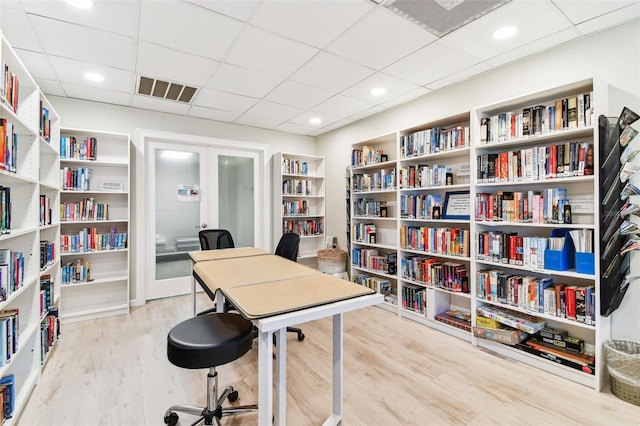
(403, 200)
(95, 214)
(299, 200)
(26, 160)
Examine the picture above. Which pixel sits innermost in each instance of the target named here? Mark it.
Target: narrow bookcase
(408, 192)
(26, 159)
(94, 213)
(299, 200)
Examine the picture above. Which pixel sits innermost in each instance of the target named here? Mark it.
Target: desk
(274, 301)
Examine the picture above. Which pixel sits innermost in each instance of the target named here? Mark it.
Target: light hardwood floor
(115, 371)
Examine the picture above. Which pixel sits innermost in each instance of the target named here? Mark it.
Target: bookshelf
(94, 224)
(26, 159)
(299, 200)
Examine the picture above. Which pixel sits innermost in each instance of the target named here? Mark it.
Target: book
(518, 320)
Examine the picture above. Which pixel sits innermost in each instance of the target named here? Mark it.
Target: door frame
(140, 209)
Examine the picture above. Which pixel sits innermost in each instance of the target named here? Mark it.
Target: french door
(192, 187)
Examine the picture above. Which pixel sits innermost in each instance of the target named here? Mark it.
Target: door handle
(203, 226)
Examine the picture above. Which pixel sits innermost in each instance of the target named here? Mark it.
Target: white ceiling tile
(366, 113)
(407, 97)
(229, 78)
(380, 39)
(330, 72)
(96, 95)
(260, 50)
(50, 87)
(213, 114)
(273, 111)
(442, 59)
(341, 106)
(236, 9)
(201, 32)
(265, 123)
(611, 19)
(223, 101)
(162, 105)
(537, 46)
(298, 95)
(84, 44)
(10, 4)
(303, 119)
(37, 64)
(459, 76)
(17, 30)
(333, 126)
(70, 71)
(533, 19)
(310, 21)
(394, 88)
(160, 62)
(584, 10)
(115, 16)
(295, 128)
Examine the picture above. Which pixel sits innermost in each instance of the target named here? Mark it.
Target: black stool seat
(209, 340)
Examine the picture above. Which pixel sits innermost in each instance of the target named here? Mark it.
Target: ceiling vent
(165, 90)
(440, 17)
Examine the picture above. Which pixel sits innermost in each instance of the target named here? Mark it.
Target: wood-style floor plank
(114, 371)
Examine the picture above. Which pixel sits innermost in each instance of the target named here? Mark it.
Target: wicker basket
(332, 260)
(623, 363)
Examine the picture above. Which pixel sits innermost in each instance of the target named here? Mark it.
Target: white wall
(611, 55)
(112, 118)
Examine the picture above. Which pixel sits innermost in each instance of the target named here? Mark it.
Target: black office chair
(214, 239)
(288, 248)
(207, 341)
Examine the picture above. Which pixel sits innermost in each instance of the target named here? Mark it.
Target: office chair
(213, 239)
(208, 341)
(288, 248)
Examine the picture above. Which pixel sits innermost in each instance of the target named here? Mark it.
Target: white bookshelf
(299, 200)
(106, 292)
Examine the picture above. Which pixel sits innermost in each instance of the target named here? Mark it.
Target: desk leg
(265, 378)
(338, 348)
(219, 301)
(193, 293)
(281, 377)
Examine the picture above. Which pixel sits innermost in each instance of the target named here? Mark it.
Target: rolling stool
(207, 341)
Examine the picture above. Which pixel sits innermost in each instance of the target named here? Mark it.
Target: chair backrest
(212, 239)
(288, 246)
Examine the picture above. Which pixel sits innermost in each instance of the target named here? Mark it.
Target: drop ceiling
(275, 64)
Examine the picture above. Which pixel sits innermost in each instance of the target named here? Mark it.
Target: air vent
(440, 17)
(165, 90)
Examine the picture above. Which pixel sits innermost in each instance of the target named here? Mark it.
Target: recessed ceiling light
(378, 91)
(504, 32)
(315, 120)
(81, 4)
(92, 76)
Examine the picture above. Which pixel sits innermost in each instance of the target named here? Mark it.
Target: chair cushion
(209, 340)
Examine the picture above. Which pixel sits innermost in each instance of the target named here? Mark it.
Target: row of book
(8, 146)
(47, 253)
(374, 260)
(421, 206)
(47, 293)
(414, 298)
(364, 232)
(86, 209)
(446, 241)
(9, 87)
(89, 239)
(451, 276)
(425, 176)
(550, 205)
(45, 123)
(7, 397)
(566, 113)
(49, 333)
(9, 335)
(538, 295)
(76, 272)
(86, 149)
(295, 208)
(380, 285)
(45, 210)
(78, 179)
(297, 187)
(536, 163)
(432, 141)
(455, 318)
(5, 210)
(383, 180)
(11, 272)
(370, 207)
(367, 155)
(294, 167)
(303, 227)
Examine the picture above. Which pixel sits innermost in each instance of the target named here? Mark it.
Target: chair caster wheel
(171, 419)
(233, 396)
(300, 336)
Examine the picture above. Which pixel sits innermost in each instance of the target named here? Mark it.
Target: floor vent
(165, 90)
